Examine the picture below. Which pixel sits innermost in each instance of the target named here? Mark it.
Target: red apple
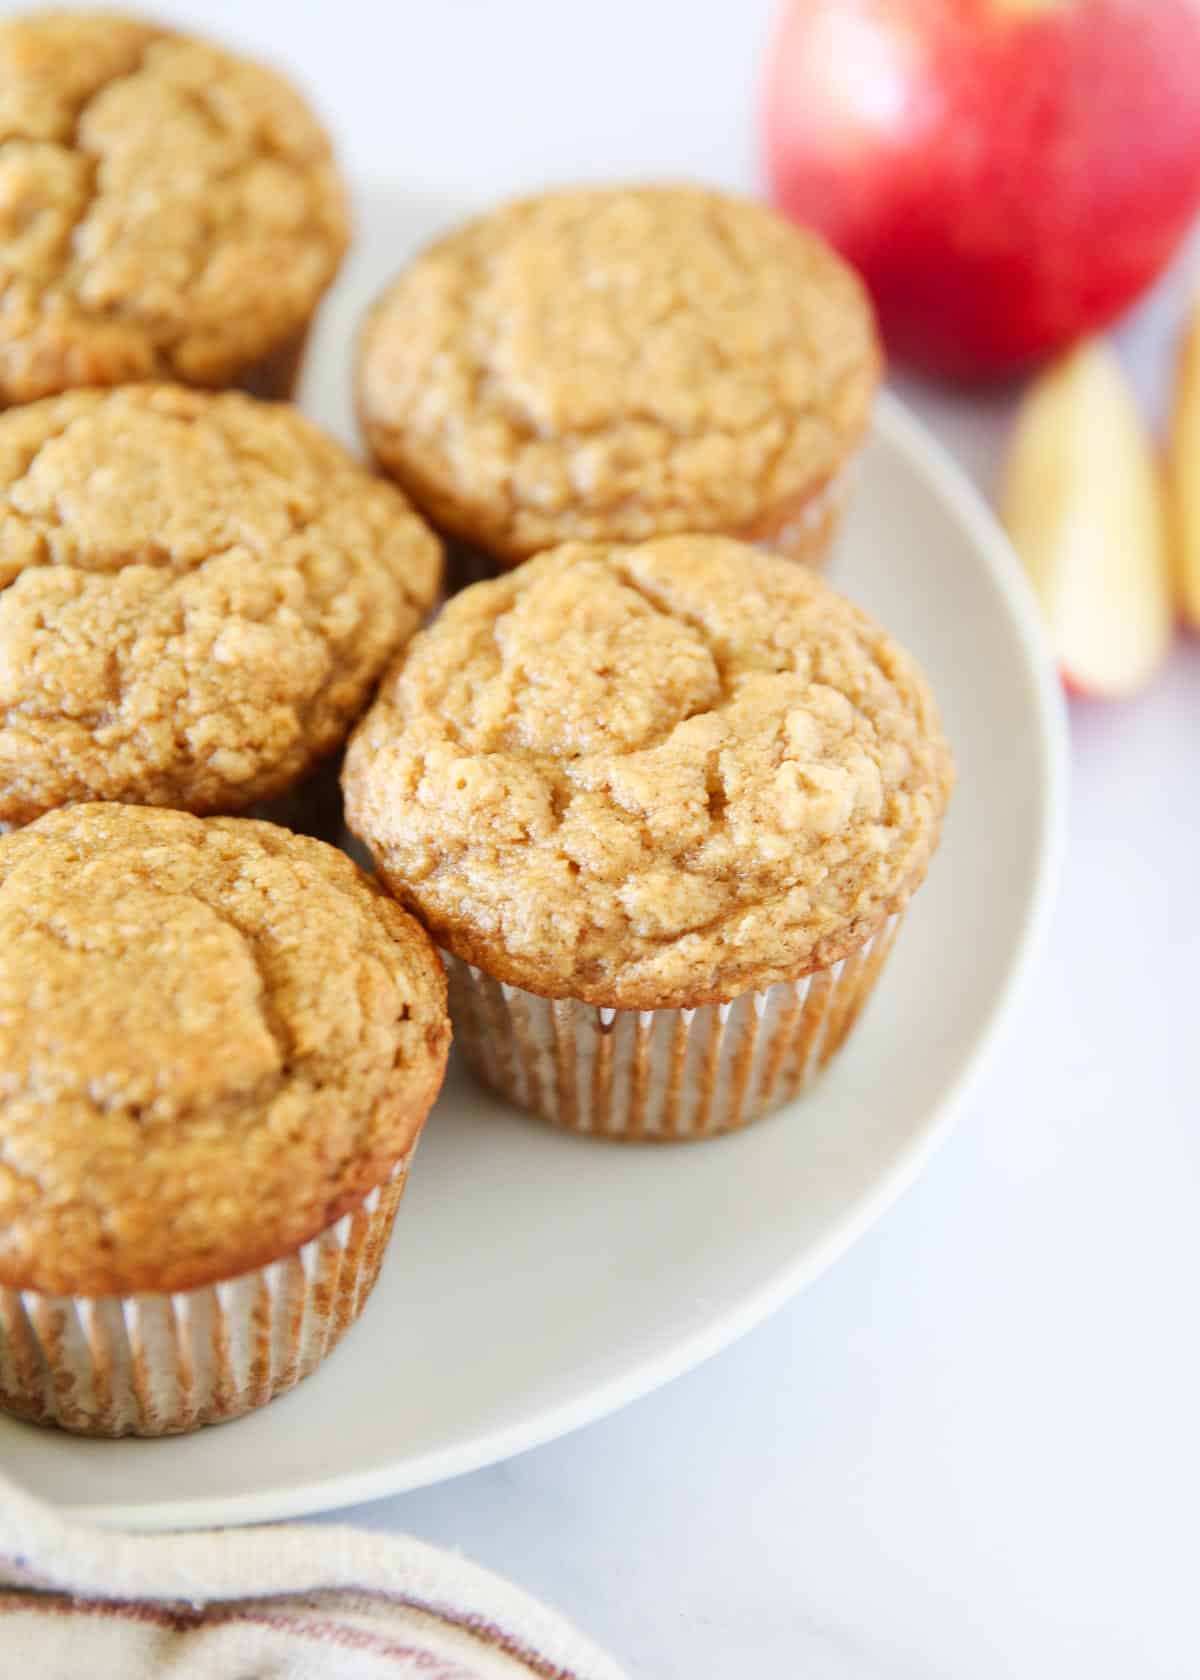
(1007, 174)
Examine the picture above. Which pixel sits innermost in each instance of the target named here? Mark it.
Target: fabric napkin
(264, 1604)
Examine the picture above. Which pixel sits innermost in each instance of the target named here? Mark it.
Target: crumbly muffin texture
(613, 365)
(197, 594)
(167, 210)
(215, 1038)
(652, 776)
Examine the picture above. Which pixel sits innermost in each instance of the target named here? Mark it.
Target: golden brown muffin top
(167, 210)
(197, 593)
(215, 1038)
(651, 777)
(612, 365)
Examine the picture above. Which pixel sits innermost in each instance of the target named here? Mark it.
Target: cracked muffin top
(197, 593)
(167, 210)
(653, 776)
(215, 1039)
(613, 365)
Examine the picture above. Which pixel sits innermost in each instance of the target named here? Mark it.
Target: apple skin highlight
(1007, 177)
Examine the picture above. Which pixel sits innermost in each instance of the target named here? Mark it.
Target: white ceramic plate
(537, 1281)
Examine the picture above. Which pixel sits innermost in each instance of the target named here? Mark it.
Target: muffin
(218, 1045)
(167, 211)
(664, 807)
(198, 593)
(613, 365)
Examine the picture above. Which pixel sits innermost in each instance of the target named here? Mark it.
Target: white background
(970, 1450)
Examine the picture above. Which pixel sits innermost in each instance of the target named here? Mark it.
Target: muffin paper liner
(807, 532)
(275, 377)
(661, 1075)
(313, 806)
(151, 1364)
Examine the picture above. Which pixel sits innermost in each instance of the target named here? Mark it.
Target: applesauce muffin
(167, 211)
(198, 592)
(664, 806)
(610, 365)
(218, 1045)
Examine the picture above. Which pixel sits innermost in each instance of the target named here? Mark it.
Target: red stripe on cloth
(324, 1632)
(478, 1626)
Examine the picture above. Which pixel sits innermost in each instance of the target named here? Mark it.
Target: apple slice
(1183, 472)
(1083, 503)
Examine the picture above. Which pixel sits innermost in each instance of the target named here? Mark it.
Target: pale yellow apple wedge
(1083, 503)
(1183, 472)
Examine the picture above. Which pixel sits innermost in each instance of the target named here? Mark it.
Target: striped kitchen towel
(287, 1603)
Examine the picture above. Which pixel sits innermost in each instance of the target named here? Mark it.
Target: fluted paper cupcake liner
(276, 375)
(313, 806)
(805, 532)
(661, 1074)
(151, 1364)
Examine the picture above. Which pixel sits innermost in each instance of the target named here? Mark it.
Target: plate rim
(934, 465)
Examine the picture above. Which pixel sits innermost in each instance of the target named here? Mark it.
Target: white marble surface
(971, 1449)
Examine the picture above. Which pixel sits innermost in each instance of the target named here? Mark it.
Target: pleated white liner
(806, 534)
(661, 1074)
(809, 532)
(152, 1364)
